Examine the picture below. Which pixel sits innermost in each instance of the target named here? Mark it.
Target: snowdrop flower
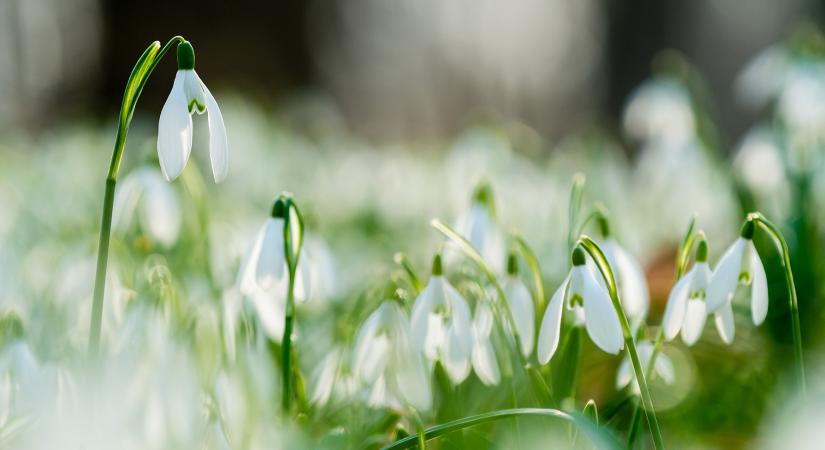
(265, 263)
(441, 325)
(484, 356)
(630, 277)
(587, 298)
(385, 360)
(521, 306)
(686, 310)
(662, 368)
(739, 265)
(479, 227)
(190, 95)
(156, 203)
(660, 109)
(331, 379)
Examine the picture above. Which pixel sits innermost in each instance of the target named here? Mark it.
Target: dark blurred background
(401, 69)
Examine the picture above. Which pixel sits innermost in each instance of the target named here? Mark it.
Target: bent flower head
(587, 298)
(190, 95)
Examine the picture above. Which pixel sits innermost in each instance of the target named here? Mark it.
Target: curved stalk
(535, 271)
(598, 436)
(576, 191)
(607, 273)
(782, 246)
(292, 251)
(144, 67)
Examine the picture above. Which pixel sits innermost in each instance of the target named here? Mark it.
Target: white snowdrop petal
(676, 302)
(695, 315)
(624, 375)
(323, 378)
(664, 368)
(632, 283)
(550, 330)
(218, 141)
(601, 320)
(270, 266)
(174, 131)
(521, 305)
(271, 310)
(247, 282)
(485, 364)
(483, 320)
(126, 200)
(457, 355)
(726, 276)
(160, 213)
(724, 323)
(364, 342)
(759, 287)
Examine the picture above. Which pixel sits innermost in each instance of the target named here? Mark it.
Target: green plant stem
(607, 273)
(782, 246)
(134, 86)
(599, 437)
(286, 348)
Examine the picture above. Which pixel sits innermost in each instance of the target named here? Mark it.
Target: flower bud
(186, 56)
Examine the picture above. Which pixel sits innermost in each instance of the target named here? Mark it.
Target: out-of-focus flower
(587, 298)
(660, 109)
(762, 78)
(761, 165)
(484, 356)
(331, 379)
(385, 360)
(190, 95)
(521, 306)
(662, 368)
(156, 203)
(740, 264)
(441, 325)
(479, 227)
(264, 265)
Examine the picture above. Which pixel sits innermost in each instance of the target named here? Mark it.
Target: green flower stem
(607, 273)
(402, 260)
(293, 223)
(576, 192)
(690, 238)
(535, 271)
(598, 436)
(134, 86)
(782, 246)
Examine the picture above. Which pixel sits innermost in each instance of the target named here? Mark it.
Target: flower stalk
(134, 87)
(604, 267)
(293, 241)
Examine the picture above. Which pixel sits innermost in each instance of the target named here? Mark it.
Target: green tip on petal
(186, 56)
(512, 264)
(483, 194)
(748, 229)
(702, 251)
(438, 267)
(604, 226)
(279, 209)
(578, 256)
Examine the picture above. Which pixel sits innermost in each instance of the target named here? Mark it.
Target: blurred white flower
(662, 368)
(484, 356)
(761, 80)
(587, 298)
(740, 264)
(144, 192)
(264, 265)
(331, 380)
(478, 225)
(520, 302)
(659, 109)
(801, 102)
(190, 95)
(441, 325)
(760, 164)
(386, 361)
(630, 280)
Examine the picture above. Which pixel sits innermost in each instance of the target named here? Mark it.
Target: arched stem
(293, 242)
(134, 86)
(598, 436)
(607, 273)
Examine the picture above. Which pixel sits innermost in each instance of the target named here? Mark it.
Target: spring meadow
(196, 267)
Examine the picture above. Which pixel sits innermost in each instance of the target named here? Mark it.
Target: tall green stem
(137, 80)
(607, 273)
(293, 241)
(286, 349)
(782, 246)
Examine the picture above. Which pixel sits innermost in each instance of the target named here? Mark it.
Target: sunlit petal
(551, 326)
(695, 315)
(676, 303)
(174, 131)
(270, 267)
(724, 323)
(521, 305)
(759, 287)
(218, 142)
(601, 320)
(725, 276)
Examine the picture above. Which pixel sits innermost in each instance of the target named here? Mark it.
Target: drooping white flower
(330, 379)
(156, 203)
(660, 108)
(484, 356)
(662, 368)
(686, 311)
(441, 325)
(587, 298)
(740, 264)
(189, 95)
(521, 306)
(386, 361)
(264, 265)
(478, 225)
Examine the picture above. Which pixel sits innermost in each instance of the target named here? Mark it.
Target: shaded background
(393, 70)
